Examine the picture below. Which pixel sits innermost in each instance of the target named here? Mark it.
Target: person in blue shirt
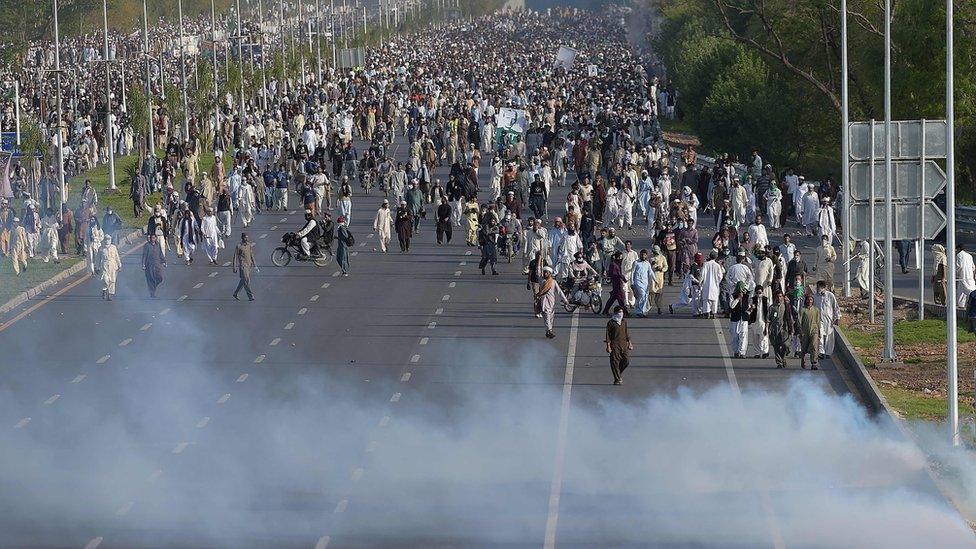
(281, 189)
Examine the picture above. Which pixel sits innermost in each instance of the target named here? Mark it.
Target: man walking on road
(545, 299)
(809, 323)
(618, 345)
(243, 265)
(153, 262)
(381, 224)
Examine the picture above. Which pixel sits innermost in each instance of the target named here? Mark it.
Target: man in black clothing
(488, 241)
(444, 227)
(796, 267)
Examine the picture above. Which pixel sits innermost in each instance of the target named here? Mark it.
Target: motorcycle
(292, 249)
(508, 244)
(586, 294)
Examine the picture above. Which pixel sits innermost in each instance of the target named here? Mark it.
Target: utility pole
(240, 57)
(186, 103)
(213, 39)
(284, 58)
(109, 133)
(57, 82)
(264, 71)
(145, 53)
(845, 141)
(889, 350)
(318, 41)
(332, 30)
(951, 365)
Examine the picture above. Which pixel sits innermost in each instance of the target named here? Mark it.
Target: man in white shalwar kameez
(826, 301)
(245, 204)
(810, 206)
(211, 236)
(965, 276)
(825, 220)
(382, 223)
(757, 233)
(712, 274)
(109, 264)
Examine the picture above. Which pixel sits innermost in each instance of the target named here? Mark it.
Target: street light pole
(951, 298)
(213, 39)
(57, 82)
(318, 41)
(845, 151)
(145, 45)
(264, 71)
(109, 133)
(240, 57)
(186, 103)
(889, 350)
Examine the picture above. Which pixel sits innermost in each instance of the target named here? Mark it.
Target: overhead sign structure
(906, 179)
(906, 140)
(906, 221)
(565, 58)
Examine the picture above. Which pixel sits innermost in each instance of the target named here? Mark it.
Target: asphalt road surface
(417, 404)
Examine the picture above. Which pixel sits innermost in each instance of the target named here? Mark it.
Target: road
(416, 403)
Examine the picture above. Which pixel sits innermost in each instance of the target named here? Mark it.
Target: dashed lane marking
(263, 236)
(93, 544)
(467, 252)
(326, 285)
(242, 378)
(385, 421)
(274, 227)
(415, 358)
(164, 311)
(275, 341)
(289, 326)
(452, 285)
(314, 298)
(145, 327)
(182, 298)
(432, 325)
(362, 244)
(52, 400)
(78, 378)
(103, 360)
(322, 543)
(226, 263)
(124, 510)
(463, 263)
(405, 377)
(259, 359)
(423, 341)
(223, 399)
(125, 342)
(439, 311)
(302, 311)
(212, 275)
(457, 273)
(22, 423)
(446, 297)
(283, 220)
(178, 449)
(203, 422)
(336, 274)
(395, 397)
(341, 507)
(198, 285)
(354, 254)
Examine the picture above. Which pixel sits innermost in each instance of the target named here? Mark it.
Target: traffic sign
(905, 226)
(906, 139)
(906, 180)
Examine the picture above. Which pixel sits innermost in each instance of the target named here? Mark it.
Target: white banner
(511, 119)
(565, 57)
(593, 71)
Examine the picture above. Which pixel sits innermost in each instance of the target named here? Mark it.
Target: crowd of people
(582, 188)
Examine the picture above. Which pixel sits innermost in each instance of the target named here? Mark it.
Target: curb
(847, 358)
(38, 290)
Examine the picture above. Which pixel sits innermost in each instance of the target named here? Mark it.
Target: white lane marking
(103, 360)
(223, 398)
(326, 285)
(283, 220)
(145, 327)
(371, 235)
(362, 244)
(124, 510)
(457, 273)
(432, 325)
(203, 422)
(182, 298)
(198, 285)
(302, 311)
(357, 474)
(289, 326)
(275, 341)
(354, 254)
(341, 507)
(22, 423)
(415, 358)
(93, 544)
(446, 297)
(164, 311)
(467, 252)
(371, 447)
(439, 311)
(405, 377)
(259, 359)
(242, 378)
(314, 298)
(226, 263)
(452, 285)
(52, 400)
(423, 341)
(78, 378)
(556, 486)
(395, 397)
(154, 476)
(212, 275)
(178, 449)
(463, 263)
(263, 236)
(384, 421)
(729, 371)
(336, 274)
(322, 543)
(274, 227)
(125, 342)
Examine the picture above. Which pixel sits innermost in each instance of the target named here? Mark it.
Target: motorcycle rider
(579, 272)
(309, 234)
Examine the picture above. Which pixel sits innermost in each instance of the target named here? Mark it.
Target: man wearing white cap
(545, 299)
(381, 224)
